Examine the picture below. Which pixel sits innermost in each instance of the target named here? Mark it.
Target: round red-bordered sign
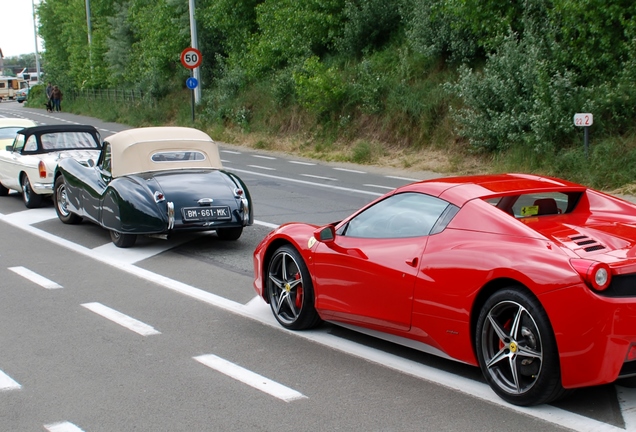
(191, 58)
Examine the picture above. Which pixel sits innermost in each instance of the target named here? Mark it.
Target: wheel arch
(485, 293)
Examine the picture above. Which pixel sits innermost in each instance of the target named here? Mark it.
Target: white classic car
(28, 165)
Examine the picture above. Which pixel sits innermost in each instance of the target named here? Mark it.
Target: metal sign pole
(192, 92)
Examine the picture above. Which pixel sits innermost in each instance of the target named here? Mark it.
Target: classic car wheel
(290, 291)
(3, 190)
(229, 233)
(60, 200)
(517, 350)
(123, 240)
(31, 199)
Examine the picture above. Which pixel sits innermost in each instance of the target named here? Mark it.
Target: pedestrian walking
(56, 97)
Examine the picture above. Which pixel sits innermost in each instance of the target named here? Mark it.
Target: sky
(16, 28)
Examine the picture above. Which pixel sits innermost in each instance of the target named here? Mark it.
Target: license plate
(206, 213)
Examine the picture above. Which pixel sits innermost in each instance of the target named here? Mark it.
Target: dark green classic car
(154, 181)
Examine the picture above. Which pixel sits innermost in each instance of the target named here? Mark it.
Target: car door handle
(412, 262)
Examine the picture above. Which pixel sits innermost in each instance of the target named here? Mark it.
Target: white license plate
(206, 213)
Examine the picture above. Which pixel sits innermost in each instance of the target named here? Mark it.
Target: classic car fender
(128, 206)
(239, 183)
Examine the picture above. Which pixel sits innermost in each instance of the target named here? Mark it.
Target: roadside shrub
(369, 24)
(320, 89)
(518, 99)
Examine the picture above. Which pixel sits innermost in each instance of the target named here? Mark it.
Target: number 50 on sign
(191, 58)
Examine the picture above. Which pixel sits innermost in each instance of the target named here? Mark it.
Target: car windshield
(9, 132)
(68, 141)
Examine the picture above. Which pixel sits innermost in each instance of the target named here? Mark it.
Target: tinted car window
(398, 216)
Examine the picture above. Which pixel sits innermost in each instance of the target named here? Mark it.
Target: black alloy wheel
(517, 350)
(290, 290)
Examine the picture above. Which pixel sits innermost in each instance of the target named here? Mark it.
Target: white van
(10, 85)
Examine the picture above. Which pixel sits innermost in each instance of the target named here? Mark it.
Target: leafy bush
(320, 89)
(368, 24)
(518, 99)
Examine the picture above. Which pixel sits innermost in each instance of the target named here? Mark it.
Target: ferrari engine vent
(588, 244)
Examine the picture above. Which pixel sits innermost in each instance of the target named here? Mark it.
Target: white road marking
(62, 427)
(262, 167)
(225, 161)
(319, 177)
(258, 310)
(230, 151)
(627, 401)
(121, 319)
(7, 383)
(379, 186)
(35, 278)
(250, 378)
(302, 163)
(31, 217)
(305, 182)
(263, 157)
(266, 224)
(350, 170)
(403, 178)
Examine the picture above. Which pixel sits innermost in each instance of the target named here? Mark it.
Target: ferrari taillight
(597, 275)
(42, 169)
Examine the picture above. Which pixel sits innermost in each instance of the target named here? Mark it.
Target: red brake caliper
(506, 327)
(299, 292)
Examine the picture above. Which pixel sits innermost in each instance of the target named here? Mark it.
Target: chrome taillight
(42, 169)
(595, 274)
(159, 197)
(238, 193)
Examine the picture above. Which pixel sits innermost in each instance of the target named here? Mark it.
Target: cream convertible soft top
(132, 150)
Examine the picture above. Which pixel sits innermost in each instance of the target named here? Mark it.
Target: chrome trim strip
(170, 215)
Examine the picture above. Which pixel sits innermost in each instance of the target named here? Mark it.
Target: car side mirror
(91, 163)
(325, 234)
(9, 148)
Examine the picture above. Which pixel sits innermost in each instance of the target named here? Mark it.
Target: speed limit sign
(191, 58)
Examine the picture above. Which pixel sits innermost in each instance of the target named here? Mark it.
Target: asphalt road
(168, 336)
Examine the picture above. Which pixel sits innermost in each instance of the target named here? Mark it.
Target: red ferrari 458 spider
(531, 278)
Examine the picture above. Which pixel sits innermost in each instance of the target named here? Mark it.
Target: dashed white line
(121, 319)
(262, 167)
(7, 383)
(379, 186)
(230, 151)
(35, 278)
(302, 163)
(62, 427)
(264, 157)
(250, 378)
(319, 177)
(350, 170)
(403, 178)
